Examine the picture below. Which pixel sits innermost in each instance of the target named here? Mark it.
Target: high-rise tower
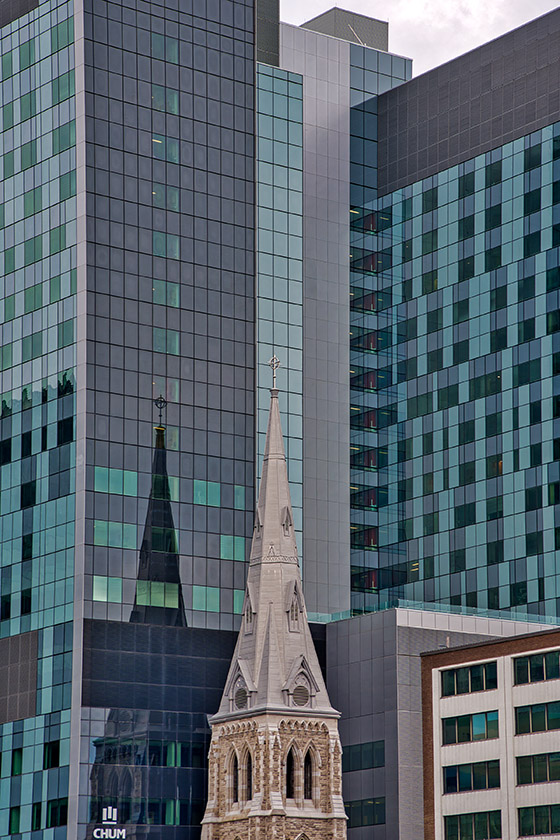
(275, 756)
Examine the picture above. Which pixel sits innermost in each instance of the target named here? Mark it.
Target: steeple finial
(160, 404)
(274, 364)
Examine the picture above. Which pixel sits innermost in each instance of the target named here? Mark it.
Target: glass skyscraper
(454, 280)
(183, 197)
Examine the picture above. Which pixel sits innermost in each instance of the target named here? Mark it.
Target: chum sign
(109, 831)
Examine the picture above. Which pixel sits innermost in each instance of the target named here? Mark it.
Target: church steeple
(275, 734)
(275, 652)
(159, 598)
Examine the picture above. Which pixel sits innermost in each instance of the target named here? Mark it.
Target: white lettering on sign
(109, 833)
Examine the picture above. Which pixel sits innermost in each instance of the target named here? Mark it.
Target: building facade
(382, 722)
(180, 194)
(490, 717)
(455, 292)
(128, 248)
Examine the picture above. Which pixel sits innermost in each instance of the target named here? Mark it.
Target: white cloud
(431, 31)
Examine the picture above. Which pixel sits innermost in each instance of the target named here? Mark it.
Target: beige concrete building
(491, 730)
(275, 761)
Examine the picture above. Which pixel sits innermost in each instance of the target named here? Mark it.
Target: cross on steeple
(274, 364)
(160, 404)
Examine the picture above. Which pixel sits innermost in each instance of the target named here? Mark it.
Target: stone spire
(274, 666)
(275, 756)
(159, 598)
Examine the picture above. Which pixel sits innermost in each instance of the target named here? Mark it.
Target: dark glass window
(532, 244)
(534, 543)
(290, 776)
(495, 552)
(429, 200)
(493, 258)
(363, 756)
(235, 779)
(17, 761)
(57, 812)
(366, 812)
(493, 217)
(493, 424)
(532, 157)
(457, 563)
(249, 777)
(465, 269)
(36, 816)
(498, 340)
(526, 288)
(308, 776)
(537, 667)
(540, 717)
(466, 184)
(5, 451)
(498, 298)
(467, 473)
(478, 727)
(526, 330)
(461, 352)
(466, 227)
(482, 775)
(531, 202)
(539, 820)
(480, 677)
(466, 432)
(429, 282)
(51, 755)
(461, 311)
(482, 824)
(493, 173)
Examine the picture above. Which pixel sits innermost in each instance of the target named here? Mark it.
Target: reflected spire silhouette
(159, 597)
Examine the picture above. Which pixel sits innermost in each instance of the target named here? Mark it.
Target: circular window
(301, 695)
(241, 698)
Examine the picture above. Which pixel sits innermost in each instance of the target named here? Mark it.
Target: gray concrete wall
(324, 63)
(373, 679)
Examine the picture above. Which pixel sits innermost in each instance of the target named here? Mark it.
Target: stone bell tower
(275, 755)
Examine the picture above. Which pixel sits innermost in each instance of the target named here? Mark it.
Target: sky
(431, 31)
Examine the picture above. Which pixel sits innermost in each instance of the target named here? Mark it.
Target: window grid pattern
(171, 281)
(280, 264)
(37, 403)
(456, 331)
(371, 73)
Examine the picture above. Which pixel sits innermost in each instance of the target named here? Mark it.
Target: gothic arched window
(290, 775)
(249, 772)
(235, 779)
(308, 776)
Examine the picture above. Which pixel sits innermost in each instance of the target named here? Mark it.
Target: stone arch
(308, 772)
(249, 776)
(292, 767)
(233, 778)
(246, 773)
(290, 774)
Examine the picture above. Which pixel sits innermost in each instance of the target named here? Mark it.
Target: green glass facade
(458, 347)
(37, 450)
(280, 263)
